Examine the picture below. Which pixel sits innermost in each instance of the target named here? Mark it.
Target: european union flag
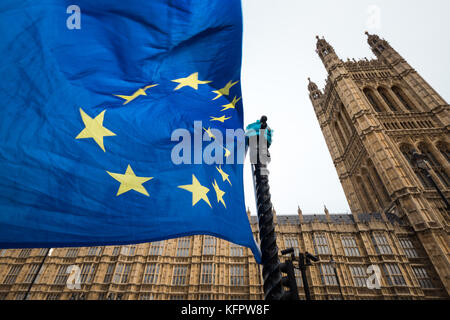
(101, 104)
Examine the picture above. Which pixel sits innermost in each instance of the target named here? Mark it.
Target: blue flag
(111, 114)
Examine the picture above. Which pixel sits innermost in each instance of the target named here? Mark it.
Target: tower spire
(377, 44)
(326, 53)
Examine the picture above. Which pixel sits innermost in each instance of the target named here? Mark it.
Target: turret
(315, 95)
(377, 44)
(327, 54)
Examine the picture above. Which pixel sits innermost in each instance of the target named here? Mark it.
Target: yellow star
(191, 81)
(209, 133)
(129, 181)
(198, 191)
(225, 90)
(231, 105)
(219, 193)
(223, 174)
(139, 92)
(221, 119)
(94, 128)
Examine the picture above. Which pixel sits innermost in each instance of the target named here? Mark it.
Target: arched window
(402, 97)
(378, 181)
(371, 186)
(347, 118)
(366, 197)
(444, 150)
(373, 101)
(385, 95)
(407, 152)
(342, 141)
(344, 126)
(435, 165)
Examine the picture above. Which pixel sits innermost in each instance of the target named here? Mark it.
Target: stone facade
(202, 267)
(372, 114)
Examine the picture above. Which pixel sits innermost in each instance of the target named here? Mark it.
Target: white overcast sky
(278, 57)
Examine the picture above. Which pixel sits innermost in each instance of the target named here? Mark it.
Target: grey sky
(278, 57)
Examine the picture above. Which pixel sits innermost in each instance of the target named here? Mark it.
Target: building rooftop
(335, 218)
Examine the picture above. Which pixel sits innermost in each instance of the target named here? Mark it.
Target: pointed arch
(344, 127)
(341, 139)
(434, 163)
(407, 151)
(403, 98)
(377, 179)
(373, 193)
(347, 119)
(444, 150)
(373, 101)
(387, 98)
(370, 207)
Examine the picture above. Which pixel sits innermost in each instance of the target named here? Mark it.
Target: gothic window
(209, 245)
(156, 248)
(184, 244)
(407, 152)
(348, 121)
(344, 126)
(408, 247)
(237, 275)
(402, 97)
(122, 273)
(321, 244)
(359, 276)
(393, 274)
(350, 247)
(292, 242)
(298, 277)
(24, 253)
(366, 196)
(378, 180)
(385, 95)
(72, 253)
(87, 273)
(372, 190)
(179, 275)
(341, 142)
(128, 250)
(53, 296)
(208, 273)
(423, 278)
(146, 296)
(372, 100)
(151, 273)
(94, 251)
(12, 274)
(62, 275)
(109, 273)
(381, 244)
(327, 274)
(236, 251)
(116, 251)
(435, 165)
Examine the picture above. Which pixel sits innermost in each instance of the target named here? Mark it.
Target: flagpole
(268, 242)
(37, 273)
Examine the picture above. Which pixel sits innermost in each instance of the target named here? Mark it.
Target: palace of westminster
(380, 120)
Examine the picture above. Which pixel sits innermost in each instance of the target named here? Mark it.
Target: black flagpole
(273, 289)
